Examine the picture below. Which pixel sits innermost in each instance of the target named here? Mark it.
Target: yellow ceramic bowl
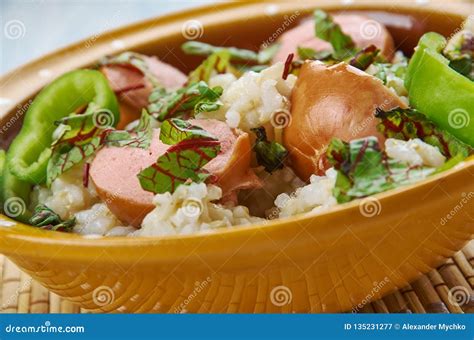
(331, 262)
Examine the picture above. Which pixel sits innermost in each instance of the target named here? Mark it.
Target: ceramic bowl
(334, 261)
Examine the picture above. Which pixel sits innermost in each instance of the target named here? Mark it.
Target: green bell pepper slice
(30, 151)
(14, 189)
(2, 167)
(26, 161)
(442, 94)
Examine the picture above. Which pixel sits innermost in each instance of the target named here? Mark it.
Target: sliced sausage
(364, 32)
(133, 88)
(114, 171)
(332, 101)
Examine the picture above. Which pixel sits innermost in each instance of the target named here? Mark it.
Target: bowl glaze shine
(329, 262)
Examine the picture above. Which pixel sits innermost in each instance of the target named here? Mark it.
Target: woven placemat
(448, 289)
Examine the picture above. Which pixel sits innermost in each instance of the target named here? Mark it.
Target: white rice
(190, 209)
(252, 100)
(414, 152)
(67, 194)
(314, 197)
(97, 220)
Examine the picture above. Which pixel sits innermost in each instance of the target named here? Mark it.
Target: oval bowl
(330, 262)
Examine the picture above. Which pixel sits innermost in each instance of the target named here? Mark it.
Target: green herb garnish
(132, 59)
(407, 124)
(45, 218)
(138, 137)
(264, 56)
(365, 57)
(328, 30)
(183, 162)
(270, 155)
(191, 99)
(363, 169)
(218, 62)
(203, 49)
(176, 130)
(79, 136)
(309, 53)
(460, 50)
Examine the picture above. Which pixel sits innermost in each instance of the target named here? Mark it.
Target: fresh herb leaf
(363, 169)
(65, 156)
(176, 130)
(77, 137)
(218, 62)
(45, 218)
(460, 50)
(270, 155)
(139, 137)
(409, 123)
(236, 54)
(305, 53)
(134, 60)
(191, 99)
(328, 30)
(264, 56)
(365, 57)
(182, 163)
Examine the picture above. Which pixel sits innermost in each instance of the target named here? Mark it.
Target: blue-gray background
(31, 28)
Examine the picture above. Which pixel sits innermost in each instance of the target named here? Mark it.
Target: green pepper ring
(29, 153)
(439, 91)
(17, 173)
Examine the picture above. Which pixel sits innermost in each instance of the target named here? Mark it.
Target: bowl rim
(21, 232)
(27, 234)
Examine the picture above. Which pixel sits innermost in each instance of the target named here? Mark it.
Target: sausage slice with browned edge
(114, 170)
(361, 29)
(332, 101)
(133, 89)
